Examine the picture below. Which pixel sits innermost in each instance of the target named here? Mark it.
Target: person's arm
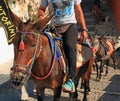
(81, 21)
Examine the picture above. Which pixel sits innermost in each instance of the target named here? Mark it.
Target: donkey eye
(33, 45)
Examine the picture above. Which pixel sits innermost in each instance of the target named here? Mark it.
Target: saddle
(108, 45)
(84, 53)
(57, 50)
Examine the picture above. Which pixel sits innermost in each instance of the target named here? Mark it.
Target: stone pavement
(5, 76)
(108, 89)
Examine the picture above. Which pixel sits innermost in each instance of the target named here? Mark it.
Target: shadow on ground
(112, 91)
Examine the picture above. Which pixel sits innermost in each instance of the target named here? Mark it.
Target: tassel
(93, 49)
(21, 46)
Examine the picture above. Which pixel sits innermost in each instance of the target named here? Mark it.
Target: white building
(6, 51)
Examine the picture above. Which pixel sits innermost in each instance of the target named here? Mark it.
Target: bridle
(27, 71)
(28, 66)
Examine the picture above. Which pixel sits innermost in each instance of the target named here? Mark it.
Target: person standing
(67, 13)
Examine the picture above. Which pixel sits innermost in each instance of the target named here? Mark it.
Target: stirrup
(69, 86)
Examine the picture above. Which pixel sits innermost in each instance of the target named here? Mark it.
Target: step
(89, 19)
(91, 29)
(90, 25)
(91, 32)
(87, 14)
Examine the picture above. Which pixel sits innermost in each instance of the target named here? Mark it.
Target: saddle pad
(53, 45)
(107, 44)
(105, 48)
(83, 54)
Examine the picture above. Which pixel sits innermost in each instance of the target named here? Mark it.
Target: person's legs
(69, 46)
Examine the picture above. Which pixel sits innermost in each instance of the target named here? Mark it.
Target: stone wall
(25, 9)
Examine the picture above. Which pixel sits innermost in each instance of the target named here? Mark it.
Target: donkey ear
(91, 36)
(16, 20)
(43, 23)
(101, 36)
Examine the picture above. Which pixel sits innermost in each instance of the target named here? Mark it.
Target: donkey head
(94, 43)
(26, 48)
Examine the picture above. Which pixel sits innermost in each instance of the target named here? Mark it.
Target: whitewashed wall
(6, 51)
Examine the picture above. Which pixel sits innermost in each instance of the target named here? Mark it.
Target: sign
(6, 22)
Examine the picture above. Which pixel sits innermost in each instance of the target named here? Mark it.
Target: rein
(52, 66)
(46, 76)
(33, 58)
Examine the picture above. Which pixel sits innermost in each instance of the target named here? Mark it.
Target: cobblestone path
(108, 89)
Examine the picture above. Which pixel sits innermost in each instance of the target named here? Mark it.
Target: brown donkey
(33, 57)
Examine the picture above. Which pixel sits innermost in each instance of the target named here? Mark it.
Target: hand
(83, 36)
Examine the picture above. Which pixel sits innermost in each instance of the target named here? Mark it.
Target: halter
(31, 61)
(100, 47)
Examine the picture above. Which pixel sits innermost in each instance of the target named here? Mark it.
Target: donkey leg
(85, 91)
(40, 93)
(94, 67)
(107, 63)
(114, 61)
(57, 93)
(86, 85)
(82, 82)
(100, 71)
(73, 96)
(97, 71)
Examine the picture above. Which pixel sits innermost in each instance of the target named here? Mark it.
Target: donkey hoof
(75, 95)
(84, 99)
(106, 74)
(81, 87)
(100, 80)
(97, 79)
(88, 93)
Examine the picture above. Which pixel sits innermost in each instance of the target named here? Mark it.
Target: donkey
(35, 57)
(100, 49)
